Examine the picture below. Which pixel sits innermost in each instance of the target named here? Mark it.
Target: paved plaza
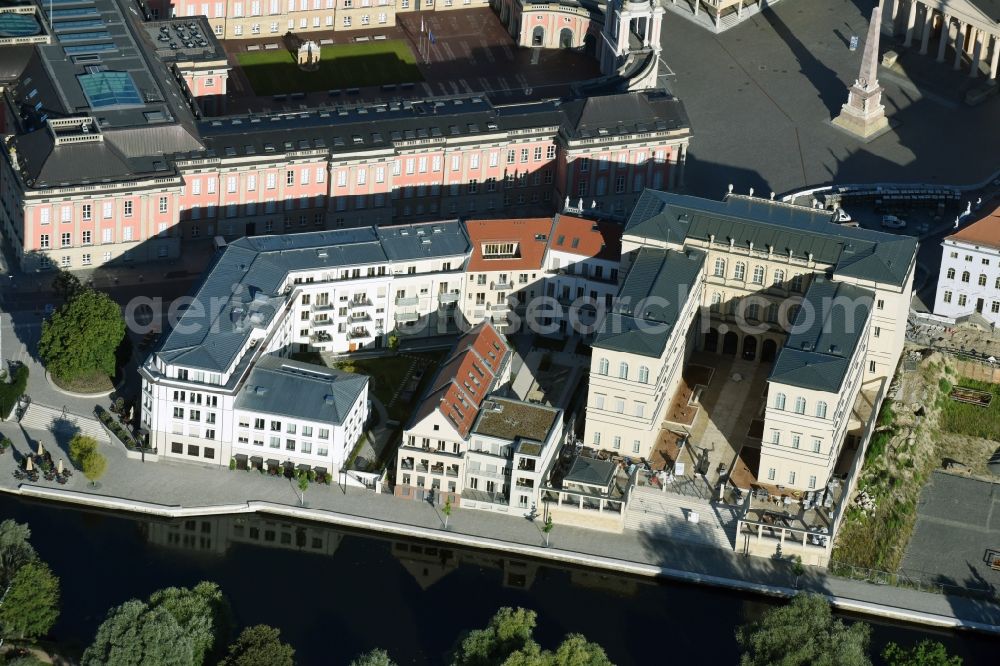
(958, 522)
(761, 94)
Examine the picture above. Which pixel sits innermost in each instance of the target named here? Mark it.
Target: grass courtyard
(341, 66)
(963, 418)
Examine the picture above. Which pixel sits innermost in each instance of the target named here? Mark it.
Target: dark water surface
(335, 594)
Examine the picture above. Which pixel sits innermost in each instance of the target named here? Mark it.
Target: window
(776, 437)
(770, 474)
(128, 209)
(812, 482)
(995, 307)
(821, 410)
(720, 267)
(602, 366)
(740, 272)
(880, 304)
(640, 410)
(778, 279)
(947, 297)
(43, 242)
(791, 478)
(878, 331)
(982, 280)
(163, 204)
(86, 259)
(817, 445)
(66, 239)
(66, 215)
(87, 237)
(599, 401)
(965, 276)
(797, 283)
(758, 275)
(617, 443)
(962, 299)
(43, 216)
(620, 405)
(107, 210)
(289, 177)
(800, 405)
(636, 445)
(85, 212)
(643, 374)
(193, 450)
(779, 401)
(623, 370)
(795, 441)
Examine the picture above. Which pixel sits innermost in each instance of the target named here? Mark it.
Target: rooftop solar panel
(76, 11)
(90, 48)
(108, 89)
(85, 36)
(86, 24)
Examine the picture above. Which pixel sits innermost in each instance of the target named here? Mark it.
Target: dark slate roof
(300, 390)
(989, 7)
(406, 242)
(824, 336)
(650, 301)
(854, 252)
(625, 113)
(591, 471)
(241, 290)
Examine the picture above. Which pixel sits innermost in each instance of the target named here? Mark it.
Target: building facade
(969, 279)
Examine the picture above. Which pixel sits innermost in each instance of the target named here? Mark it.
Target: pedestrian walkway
(61, 422)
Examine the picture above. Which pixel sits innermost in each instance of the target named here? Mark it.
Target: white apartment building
(321, 291)
(969, 278)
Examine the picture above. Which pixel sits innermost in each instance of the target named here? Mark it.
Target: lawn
(341, 66)
(972, 420)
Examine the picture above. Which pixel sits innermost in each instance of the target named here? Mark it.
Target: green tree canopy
(578, 651)
(803, 633)
(81, 337)
(202, 613)
(31, 606)
(376, 657)
(259, 645)
(133, 634)
(65, 284)
(924, 653)
(15, 551)
(81, 446)
(94, 466)
(508, 632)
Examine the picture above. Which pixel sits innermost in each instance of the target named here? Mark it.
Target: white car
(893, 222)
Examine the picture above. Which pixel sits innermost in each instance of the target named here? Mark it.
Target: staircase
(42, 417)
(664, 515)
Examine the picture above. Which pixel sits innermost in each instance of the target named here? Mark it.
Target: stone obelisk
(864, 115)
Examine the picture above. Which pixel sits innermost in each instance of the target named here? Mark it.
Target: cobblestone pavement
(760, 97)
(181, 484)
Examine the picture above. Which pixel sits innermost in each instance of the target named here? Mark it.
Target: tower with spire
(864, 114)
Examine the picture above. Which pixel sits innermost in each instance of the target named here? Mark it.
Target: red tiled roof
(575, 235)
(985, 231)
(530, 233)
(467, 377)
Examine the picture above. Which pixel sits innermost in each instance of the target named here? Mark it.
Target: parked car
(893, 222)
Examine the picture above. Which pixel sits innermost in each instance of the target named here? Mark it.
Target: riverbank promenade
(177, 490)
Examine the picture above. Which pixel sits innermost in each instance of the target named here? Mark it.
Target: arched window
(623, 370)
(740, 272)
(982, 280)
(779, 278)
(779, 401)
(965, 276)
(772, 313)
(951, 273)
(758, 275)
(797, 283)
(602, 366)
(643, 374)
(753, 312)
(800, 405)
(720, 267)
(716, 301)
(821, 410)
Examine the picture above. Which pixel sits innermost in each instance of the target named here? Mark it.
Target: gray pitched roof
(650, 301)
(300, 390)
(625, 113)
(854, 252)
(824, 336)
(591, 471)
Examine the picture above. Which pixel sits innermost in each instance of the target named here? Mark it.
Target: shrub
(12, 392)
(944, 386)
(232, 463)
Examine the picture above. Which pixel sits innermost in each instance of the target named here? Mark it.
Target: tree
(259, 645)
(133, 634)
(547, 528)
(202, 613)
(81, 337)
(509, 631)
(31, 605)
(15, 551)
(66, 285)
(576, 650)
(376, 657)
(924, 653)
(446, 510)
(804, 631)
(94, 466)
(303, 487)
(81, 447)
(798, 569)
(393, 341)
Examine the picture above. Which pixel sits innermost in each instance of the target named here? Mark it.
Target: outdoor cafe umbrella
(41, 450)
(28, 465)
(59, 467)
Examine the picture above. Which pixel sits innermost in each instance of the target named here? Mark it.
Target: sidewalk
(168, 488)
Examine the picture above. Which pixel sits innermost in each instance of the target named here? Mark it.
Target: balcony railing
(321, 307)
(358, 333)
(504, 286)
(321, 337)
(407, 300)
(358, 317)
(360, 303)
(406, 464)
(448, 297)
(407, 316)
(322, 323)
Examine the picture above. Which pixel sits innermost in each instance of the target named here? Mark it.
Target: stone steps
(43, 417)
(665, 515)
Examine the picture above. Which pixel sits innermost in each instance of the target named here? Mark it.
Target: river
(335, 594)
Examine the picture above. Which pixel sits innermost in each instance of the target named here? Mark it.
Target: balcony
(407, 316)
(422, 467)
(502, 286)
(448, 297)
(437, 469)
(407, 300)
(452, 472)
(358, 333)
(360, 303)
(498, 307)
(406, 464)
(321, 336)
(322, 323)
(321, 307)
(358, 317)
